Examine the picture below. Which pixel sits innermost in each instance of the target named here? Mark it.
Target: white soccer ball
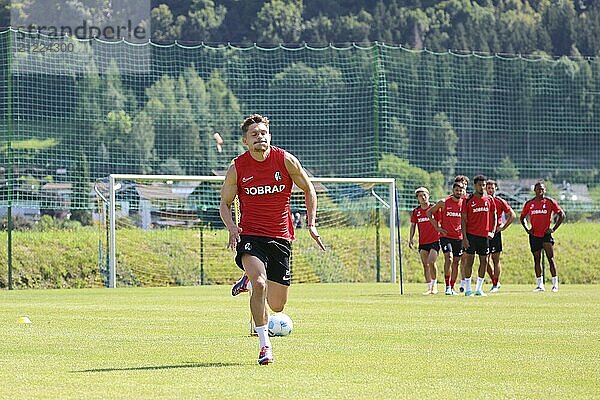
(280, 324)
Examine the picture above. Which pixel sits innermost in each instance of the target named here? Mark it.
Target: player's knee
(259, 285)
(276, 305)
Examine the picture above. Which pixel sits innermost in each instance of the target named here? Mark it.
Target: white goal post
(114, 184)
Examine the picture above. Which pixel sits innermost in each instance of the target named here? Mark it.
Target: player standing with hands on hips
(540, 210)
(262, 178)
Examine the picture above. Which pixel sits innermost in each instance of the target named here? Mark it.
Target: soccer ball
(280, 324)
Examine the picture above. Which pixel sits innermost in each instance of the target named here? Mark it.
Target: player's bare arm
(509, 220)
(495, 223)
(438, 206)
(560, 217)
(228, 192)
(525, 225)
(300, 178)
(463, 228)
(411, 240)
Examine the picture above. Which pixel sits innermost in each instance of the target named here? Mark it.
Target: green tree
(142, 136)
(313, 93)
(204, 18)
(186, 143)
(279, 21)
(506, 170)
(409, 177)
(318, 30)
(80, 200)
(165, 27)
(442, 140)
(162, 108)
(224, 109)
(588, 31)
(518, 26)
(559, 18)
(90, 116)
(397, 142)
(353, 28)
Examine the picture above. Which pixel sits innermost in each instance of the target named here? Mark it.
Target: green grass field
(349, 341)
(69, 258)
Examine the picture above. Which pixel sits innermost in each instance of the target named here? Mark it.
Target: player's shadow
(158, 367)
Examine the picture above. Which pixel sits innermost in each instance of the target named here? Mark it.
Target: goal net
(165, 230)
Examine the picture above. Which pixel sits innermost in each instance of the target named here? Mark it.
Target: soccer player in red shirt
(502, 208)
(262, 178)
(478, 224)
(429, 238)
(450, 232)
(539, 211)
(465, 181)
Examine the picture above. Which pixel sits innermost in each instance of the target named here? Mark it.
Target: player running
(450, 232)
(506, 216)
(429, 239)
(478, 223)
(539, 211)
(262, 178)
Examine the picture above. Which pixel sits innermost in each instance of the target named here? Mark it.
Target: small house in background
(517, 192)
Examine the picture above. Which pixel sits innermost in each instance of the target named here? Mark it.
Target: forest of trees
(555, 27)
(370, 109)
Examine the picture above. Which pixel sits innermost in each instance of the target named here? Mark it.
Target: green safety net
(76, 111)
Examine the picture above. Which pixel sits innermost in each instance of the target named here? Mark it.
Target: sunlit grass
(349, 341)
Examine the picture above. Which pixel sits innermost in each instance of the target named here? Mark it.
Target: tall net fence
(75, 111)
(168, 231)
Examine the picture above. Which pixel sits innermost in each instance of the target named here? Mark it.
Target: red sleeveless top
(264, 191)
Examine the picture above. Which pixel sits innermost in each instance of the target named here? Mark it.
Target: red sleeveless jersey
(264, 191)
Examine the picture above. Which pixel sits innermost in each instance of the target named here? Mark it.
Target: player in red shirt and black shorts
(429, 238)
(494, 267)
(478, 225)
(262, 179)
(449, 229)
(539, 211)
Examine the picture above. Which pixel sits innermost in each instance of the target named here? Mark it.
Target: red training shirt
(264, 191)
(501, 207)
(540, 214)
(451, 217)
(479, 211)
(427, 233)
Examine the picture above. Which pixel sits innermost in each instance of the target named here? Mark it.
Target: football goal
(165, 230)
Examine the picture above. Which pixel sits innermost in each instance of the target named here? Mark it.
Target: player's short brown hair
(462, 178)
(492, 182)
(253, 119)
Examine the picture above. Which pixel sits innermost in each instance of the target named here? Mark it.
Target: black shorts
(452, 245)
(537, 243)
(478, 244)
(430, 246)
(496, 243)
(274, 253)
